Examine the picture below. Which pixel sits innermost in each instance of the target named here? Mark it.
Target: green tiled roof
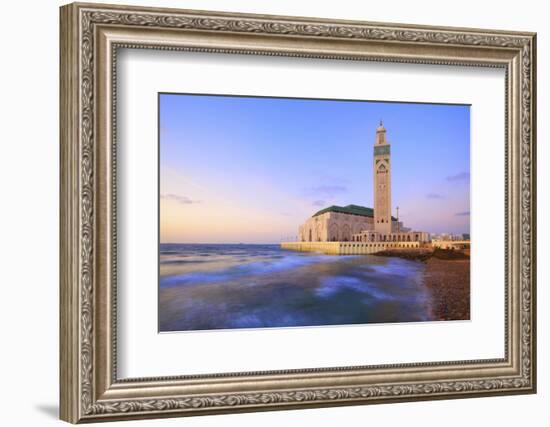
(349, 209)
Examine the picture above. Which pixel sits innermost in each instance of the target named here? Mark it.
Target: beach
(447, 276)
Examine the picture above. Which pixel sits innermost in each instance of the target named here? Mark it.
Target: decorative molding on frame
(86, 18)
(310, 396)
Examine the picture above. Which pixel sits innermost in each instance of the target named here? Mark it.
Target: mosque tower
(382, 182)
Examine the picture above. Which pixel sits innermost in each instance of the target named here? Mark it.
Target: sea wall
(346, 248)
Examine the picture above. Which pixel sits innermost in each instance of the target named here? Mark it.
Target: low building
(401, 236)
(451, 244)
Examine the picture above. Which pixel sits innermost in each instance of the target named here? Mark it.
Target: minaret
(382, 182)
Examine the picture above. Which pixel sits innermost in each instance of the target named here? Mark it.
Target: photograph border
(90, 36)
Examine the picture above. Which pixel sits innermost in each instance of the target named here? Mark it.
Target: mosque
(353, 223)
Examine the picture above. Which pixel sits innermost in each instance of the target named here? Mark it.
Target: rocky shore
(447, 276)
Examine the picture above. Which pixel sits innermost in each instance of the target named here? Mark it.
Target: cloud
(462, 176)
(318, 203)
(327, 190)
(465, 213)
(184, 200)
(435, 196)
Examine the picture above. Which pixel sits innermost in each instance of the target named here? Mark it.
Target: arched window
(333, 233)
(346, 232)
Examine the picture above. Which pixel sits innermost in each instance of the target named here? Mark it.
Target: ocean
(229, 286)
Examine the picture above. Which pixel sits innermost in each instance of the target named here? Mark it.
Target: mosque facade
(354, 223)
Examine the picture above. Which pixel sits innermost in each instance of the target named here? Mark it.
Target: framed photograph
(266, 212)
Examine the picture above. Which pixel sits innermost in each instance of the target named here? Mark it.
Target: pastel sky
(251, 170)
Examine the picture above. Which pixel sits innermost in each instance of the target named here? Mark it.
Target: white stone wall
(347, 248)
(333, 226)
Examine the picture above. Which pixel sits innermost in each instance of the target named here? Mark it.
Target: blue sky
(251, 170)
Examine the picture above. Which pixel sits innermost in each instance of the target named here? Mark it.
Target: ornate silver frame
(90, 36)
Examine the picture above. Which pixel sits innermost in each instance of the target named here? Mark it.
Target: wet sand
(447, 276)
(449, 283)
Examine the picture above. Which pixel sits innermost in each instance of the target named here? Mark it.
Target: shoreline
(425, 254)
(447, 276)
